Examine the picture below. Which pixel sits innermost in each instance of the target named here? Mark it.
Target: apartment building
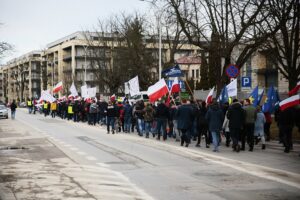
(22, 77)
(68, 59)
(2, 99)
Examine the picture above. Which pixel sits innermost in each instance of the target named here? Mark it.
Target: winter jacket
(236, 116)
(162, 111)
(93, 108)
(250, 114)
(259, 124)
(127, 111)
(215, 118)
(149, 113)
(185, 117)
(112, 111)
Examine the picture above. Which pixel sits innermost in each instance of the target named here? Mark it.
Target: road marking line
(81, 153)
(102, 165)
(91, 158)
(74, 149)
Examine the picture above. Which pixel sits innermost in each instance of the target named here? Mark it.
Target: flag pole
(192, 93)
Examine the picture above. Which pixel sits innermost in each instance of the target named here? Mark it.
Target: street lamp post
(159, 30)
(85, 52)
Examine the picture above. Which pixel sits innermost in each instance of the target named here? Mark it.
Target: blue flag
(271, 100)
(174, 71)
(254, 97)
(223, 96)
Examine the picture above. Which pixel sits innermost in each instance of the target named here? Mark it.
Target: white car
(3, 111)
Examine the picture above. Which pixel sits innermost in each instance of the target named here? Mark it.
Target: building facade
(21, 77)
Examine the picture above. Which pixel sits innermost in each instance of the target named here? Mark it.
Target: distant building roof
(189, 60)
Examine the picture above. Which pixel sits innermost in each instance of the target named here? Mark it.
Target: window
(193, 73)
(197, 73)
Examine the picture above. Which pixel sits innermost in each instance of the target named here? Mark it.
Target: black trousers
(185, 137)
(203, 130)
(267, 130)
(235, 134)
(249, 128)
(287, 137)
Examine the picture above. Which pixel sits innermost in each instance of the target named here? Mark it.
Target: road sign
(181, 84)
(246, 81)
(232, 71)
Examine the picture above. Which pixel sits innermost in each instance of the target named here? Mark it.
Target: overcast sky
(32, 24)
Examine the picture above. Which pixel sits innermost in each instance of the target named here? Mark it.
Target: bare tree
(221, 26)
(283, 47)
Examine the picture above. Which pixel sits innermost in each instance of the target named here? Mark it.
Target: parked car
(3, 111)
(22, 105)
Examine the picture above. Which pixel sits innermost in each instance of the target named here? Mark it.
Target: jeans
(162, 124)
(53, 113)
(216, 137)
(175, 130)
(141, 124)
(148, 126)
(110, 122)
(93, 118)
(13, 114)
(30, 110)
(127, 124)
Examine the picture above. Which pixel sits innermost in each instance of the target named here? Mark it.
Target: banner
(126, 86)
(73, 90)
(91, 92)
(46, 96)
(172, 72)
(232, 88)
(134, 87)
(84, 91)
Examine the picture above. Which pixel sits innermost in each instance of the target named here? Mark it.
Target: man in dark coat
(162, 115)
(202, 125)
(287, 123)
(215, 118)
(185, 117)
(236, 117)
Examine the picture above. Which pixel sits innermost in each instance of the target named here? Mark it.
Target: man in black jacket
(236, 117)
(162, 116)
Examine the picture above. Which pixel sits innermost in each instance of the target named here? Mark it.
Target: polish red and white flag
(157, 90)
(209, 97)
(295, 89)
(290, 102)
(58, 87)
(175, 86)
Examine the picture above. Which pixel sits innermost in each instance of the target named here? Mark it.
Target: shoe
(251, 149)
(153, 135)
(198, 145)
(263, 146)
(238, 148)
(158, 138)
(242, 149)
(187, 145)
(147, 136)
(107, 132)
(215, 150)
(207, 146)
(113, 132)
(177, 140)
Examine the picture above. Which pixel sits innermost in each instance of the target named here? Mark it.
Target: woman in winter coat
(259, 126)
(215, 119)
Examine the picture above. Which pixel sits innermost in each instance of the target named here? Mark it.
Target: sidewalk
(32, 167)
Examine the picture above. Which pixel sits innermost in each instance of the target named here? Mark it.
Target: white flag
(232, 88)
(84, 91)
(46, 96)
(134, 87)
(126, 86)
(91, 92)
(73, 90)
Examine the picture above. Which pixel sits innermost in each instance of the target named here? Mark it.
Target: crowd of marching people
(239, 123)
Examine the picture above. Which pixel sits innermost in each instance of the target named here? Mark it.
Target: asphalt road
(165, 170)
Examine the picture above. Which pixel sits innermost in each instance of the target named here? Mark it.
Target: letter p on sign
(246, 81)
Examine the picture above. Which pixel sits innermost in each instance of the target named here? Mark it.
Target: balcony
(67, 57)
(67, 69)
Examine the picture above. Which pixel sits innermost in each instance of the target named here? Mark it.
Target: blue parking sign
(246, 81)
